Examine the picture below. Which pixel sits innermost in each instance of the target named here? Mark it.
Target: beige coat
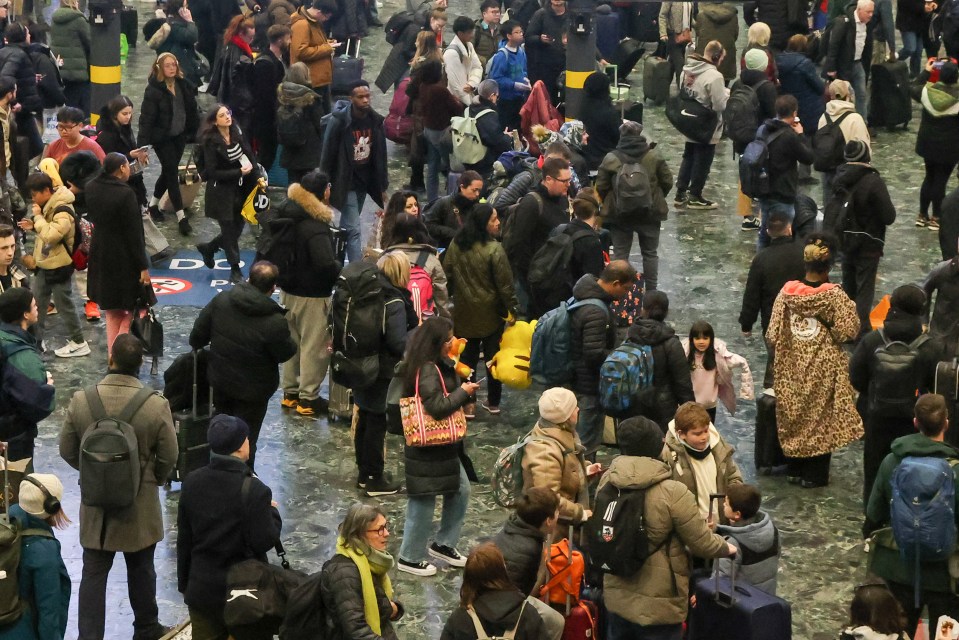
(853, 127)
(54, 243)
(659, 592)
(555, 459)
(140, 525)
(310, 45)
(676, 456)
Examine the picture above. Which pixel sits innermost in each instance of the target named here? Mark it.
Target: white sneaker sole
(76, 353)
(425, 573)
(450, 561)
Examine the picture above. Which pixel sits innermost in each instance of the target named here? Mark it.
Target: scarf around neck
(696, 454)
(242, 44)
(371, 563)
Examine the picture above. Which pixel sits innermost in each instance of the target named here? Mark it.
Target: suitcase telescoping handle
(346, 48)
(196, 369)
(728, 599)
(5, 517)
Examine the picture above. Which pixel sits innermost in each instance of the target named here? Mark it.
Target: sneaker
(156, 214)
(750, 223)
(447, 554)
(469, 410)
(700, 203)
(52, 310)
(73, 350)
(312, 407)
(382, 485)
(289, 401)
(361, 482)
(921, 220)
(492, 409)
(184, 226)
(416, 568)
(680, 201)
(933, 224)
(92, 311)
(207, 253)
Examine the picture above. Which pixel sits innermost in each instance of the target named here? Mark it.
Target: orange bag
(566, 568)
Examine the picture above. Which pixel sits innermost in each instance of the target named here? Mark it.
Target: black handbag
(147, 328)
(59, 275)
(354, 372)
(691, 118)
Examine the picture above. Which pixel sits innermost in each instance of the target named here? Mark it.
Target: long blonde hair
(426, 48)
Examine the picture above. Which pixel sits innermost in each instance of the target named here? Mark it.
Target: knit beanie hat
(315, 182)
(630, 128)
(856, 151)
(908, 298)
(31, 497)
(556, 405)
(639, 436)
(226, 434)
(949, 72)
(756, 59)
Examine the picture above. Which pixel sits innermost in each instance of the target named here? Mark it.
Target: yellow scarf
(381, 563)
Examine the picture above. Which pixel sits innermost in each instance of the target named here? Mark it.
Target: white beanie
(556, 405)
(31, 497)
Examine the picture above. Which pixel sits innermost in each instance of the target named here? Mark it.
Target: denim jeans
(911, 50)
(765, 205)
(648, 235)
(694, 169)
(419, 521)
(590, 423)
(857, 78)
(618, 628)
(437, 157)
(141, 588)
(350, 224)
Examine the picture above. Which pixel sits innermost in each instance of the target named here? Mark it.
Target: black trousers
(859, 282)
(880, 433)
(933, 189)
(169, 152)
(229, 238)
(141, 587)
(694, 168)
(266, 144)
(250, 410)
(370, 428)
(814, 469)
(470, 357)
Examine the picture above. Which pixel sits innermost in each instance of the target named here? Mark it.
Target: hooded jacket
(676, 455)
(482, 284)
(522, 547)
(757, 562)
(305, 107)
(248, 337)
(938, 137)
(463, 67)
(634, 148)
(707, 84)
(26, 383)
(337, 158)
(672, 384)
(498, 612)
(943, 281)
(592, 335)
(659, 592)
(718, 21)
(532, 226)
(853, 126)
(600, 118)
(785, 154)
(726, 363)
(316, 265)
(815, 413)
(53, 246)
(555, 458)
(70, 39)
(871, 205)
(798, 76)
(310, 45)
(771, 268)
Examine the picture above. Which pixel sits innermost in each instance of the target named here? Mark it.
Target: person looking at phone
(309, 44)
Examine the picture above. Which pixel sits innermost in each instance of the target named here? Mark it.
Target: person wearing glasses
(71, 140)
(355, 583)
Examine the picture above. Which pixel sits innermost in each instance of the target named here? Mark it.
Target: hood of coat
(719, 12)
(588, 287)
(301, 14)
(15, 335)
(60, 196)
(756, 536)
(497, 606)
(66, 15)
(941, 99)
(651, 332)
(596, 86)
(919, 445)
(674, 442)
(250, 301)
(634, 145)
(696, 65)
(637, 472)
(291, 94)
(849, 173)
(835, 108)
(516, 526)
(159, 36)
(808, 302)
(312, 205)
(867, 633)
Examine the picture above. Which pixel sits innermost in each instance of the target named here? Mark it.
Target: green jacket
(70, 39)
(637, 149)
(26, 393)
(885, 562)
(481, 283)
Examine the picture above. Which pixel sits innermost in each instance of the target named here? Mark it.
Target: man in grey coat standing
(135, 530)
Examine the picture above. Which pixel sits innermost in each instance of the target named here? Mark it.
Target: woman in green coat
(480, 282)
(70, 41)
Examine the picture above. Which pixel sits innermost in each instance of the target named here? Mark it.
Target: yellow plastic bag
(256, 202)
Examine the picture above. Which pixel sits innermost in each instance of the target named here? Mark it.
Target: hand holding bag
(423, 430)
(146, 327)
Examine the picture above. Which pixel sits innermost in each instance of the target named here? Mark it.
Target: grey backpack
(109, 456)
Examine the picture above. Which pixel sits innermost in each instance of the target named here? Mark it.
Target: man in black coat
(771, 268)
(849, 54)
(785, 18)
(490, 130)
(354, 158)
(226, 515)
(592, 337)
(268, 71)
(17, 65)
(943, 283)
(248, 337)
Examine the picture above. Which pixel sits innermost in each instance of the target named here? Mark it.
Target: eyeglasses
(382, 531)
(566, 181)
(67, 127)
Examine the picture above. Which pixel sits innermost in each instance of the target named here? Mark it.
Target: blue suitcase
(728, 611)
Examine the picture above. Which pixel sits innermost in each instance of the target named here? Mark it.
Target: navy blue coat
(798, 77)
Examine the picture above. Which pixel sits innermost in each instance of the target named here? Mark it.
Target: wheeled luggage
(347, 69)
(627, 55)
(768, 452)
(657, 76)
(582, 621)
(128, 25)
(890, 104)
(726, 610)
(947, 385)
(191, 426)
(341, 402)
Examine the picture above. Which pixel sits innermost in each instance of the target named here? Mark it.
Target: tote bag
(423, 430)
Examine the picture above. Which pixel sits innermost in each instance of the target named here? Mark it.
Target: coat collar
(121, 380)
(310, 203)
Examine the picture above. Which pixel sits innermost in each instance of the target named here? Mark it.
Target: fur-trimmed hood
(310, 203)
(297, 96)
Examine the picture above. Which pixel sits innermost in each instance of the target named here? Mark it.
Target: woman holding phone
(115, 135)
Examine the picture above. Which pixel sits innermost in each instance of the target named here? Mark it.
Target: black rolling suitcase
(191, 426)
(947, 385)
(128, 25)
(890, 104)
(768, 452)
(347, 69)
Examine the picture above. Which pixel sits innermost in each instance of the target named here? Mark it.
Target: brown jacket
(727, 472)
(554, 459)
(140, 525)
(310, 46)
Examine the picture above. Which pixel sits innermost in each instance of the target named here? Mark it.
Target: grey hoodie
(758, 559)
(708, 85)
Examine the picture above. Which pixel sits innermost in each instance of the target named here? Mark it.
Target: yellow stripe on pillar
(105, 75)
(576, 79)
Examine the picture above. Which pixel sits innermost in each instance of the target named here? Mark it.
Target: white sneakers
(73, 350)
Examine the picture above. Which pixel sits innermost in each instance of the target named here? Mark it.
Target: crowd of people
(537, 222)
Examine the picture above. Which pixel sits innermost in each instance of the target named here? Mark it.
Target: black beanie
(639, 436)
(908, 298)
(856, 151)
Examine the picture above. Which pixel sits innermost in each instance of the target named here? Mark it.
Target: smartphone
(481, 380)
(938, 64)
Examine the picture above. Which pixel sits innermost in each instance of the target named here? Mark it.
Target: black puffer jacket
(785, 18)
(225, 178)
(592, 335)
(432, 471)
(672, 383)
(491, 135)
(498, 612)
(215, 529)
(304, 106)
(156, 112)
(17, 66)
(522, 547)
(943, 282)
(771, 268)
(342, 591)
(446, 216)
(248, 337)
(317, 266)
(400, 320)
(532, 227)
(871, 204)
(911, 16)
(785, 154)
(600, 118)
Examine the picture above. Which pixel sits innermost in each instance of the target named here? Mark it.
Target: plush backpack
(109, 456)
(754, 164)
(550, 277)
(468, 148)
(828, 145)
(513, 162)
(397, 24)
(892, 386)
(625, 374)
(288, 129)
(632, 192)
(421, 287)
(357, 321)
(551, 360)
(616, 532)
(278, 245)
(741, 117)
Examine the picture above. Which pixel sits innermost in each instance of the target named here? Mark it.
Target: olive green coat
(481, 284)
(70, 39)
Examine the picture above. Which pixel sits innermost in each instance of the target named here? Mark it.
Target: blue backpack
(626, 373)
(922, 511)
(551, 360)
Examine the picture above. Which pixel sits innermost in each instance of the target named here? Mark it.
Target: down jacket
(70, 39)
(634, 148)
(317, 266)
(482, 284)
(592, 334)
(672, 384)
(554, 458)
(498, 612)
(522, 547)
(659, 592)
(54, 241)
(156, 111)
(311, 47)
(342, 591)
(758, 558)
(17, 66)
(727, 473)
(871, 204)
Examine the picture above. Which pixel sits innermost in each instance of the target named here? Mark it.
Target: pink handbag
(423, 430)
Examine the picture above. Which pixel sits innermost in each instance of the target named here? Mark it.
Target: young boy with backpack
(752, 532)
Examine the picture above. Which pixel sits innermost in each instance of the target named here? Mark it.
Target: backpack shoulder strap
(840, 118)
(775, 134)
(477, 625)
(885, 339)
(421, 258)
(134, 404)
(511, 634)
(38, 533)
(919, 341)
(539, 201)
(483, 113)
(92, 394)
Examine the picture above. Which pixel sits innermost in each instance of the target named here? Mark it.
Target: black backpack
(829, 145)
(550, 277)
(357, 322)
(754, 164)
(278, 245)
(288, 130)
(892, 387)
(741, 116)
(305, 617)
(840, 217)
(616, 533)
(397, 24)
